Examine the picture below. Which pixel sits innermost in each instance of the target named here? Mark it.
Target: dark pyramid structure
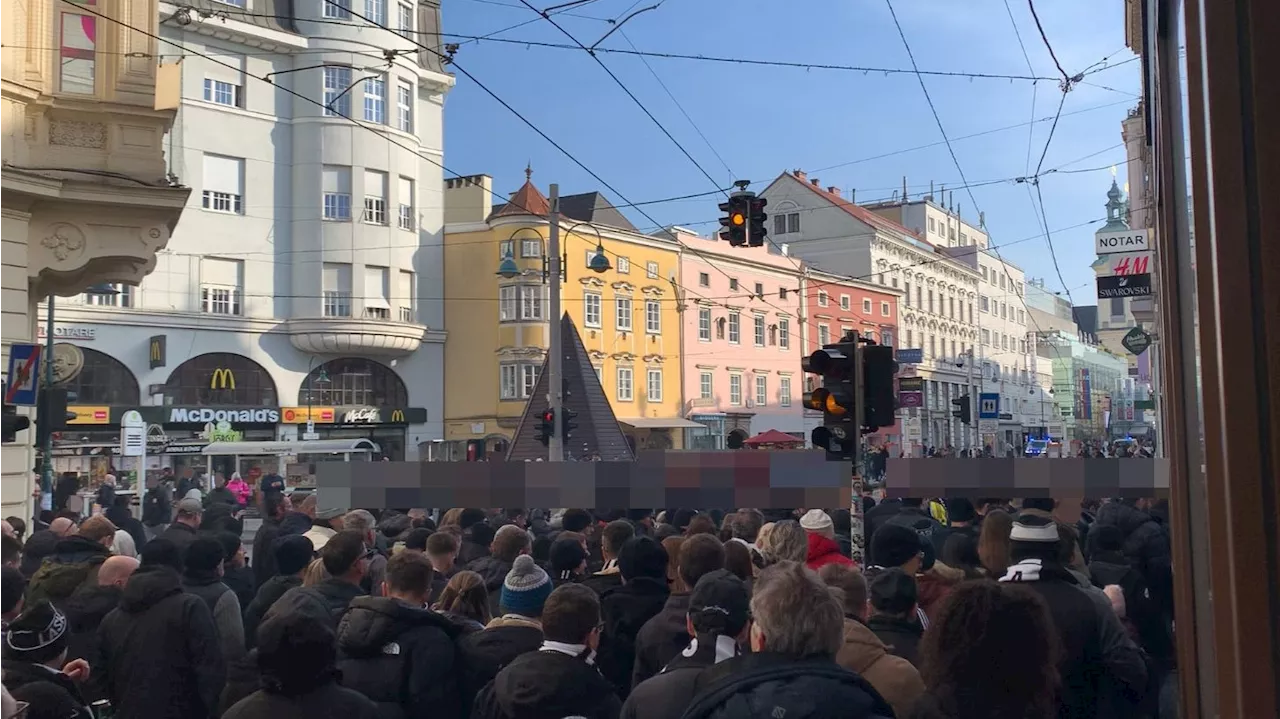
(598, 431)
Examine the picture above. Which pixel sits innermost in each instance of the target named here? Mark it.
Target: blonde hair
(452, 518)
(315, 573)
(465, 595)
(672, 545)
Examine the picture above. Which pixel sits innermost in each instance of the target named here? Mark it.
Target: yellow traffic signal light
(822, 400)
(738, 219)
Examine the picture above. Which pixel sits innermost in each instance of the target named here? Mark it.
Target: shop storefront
(387, 427)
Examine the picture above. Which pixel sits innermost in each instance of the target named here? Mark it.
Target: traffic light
(879, 395)
(836, 399)
(567, 425)
(962, 409)
(756, 219)
(10, 421)
(547, 427)
(52, 415)
(735, 220)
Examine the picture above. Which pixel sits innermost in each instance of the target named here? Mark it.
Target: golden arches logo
(157, 352)
(222, 378)
(397, 416)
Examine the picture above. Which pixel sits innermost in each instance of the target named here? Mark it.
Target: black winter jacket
(85, 611)
(401, 657)
(547, 685)
(263, 560)
(486, 652)
(334, 594)
(668, 694)
(494, 572)
(181, 535)
(767, 686)
(662, 638)
(268, 593)
(158, 655)
(19, 674)
(327, 702)
(624, 610)
(900, 636)
(1146, 546)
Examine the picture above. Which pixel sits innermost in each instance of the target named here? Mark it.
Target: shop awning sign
(1119, 286)
(1110, 243)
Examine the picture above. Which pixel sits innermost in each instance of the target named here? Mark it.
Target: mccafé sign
(206, 415)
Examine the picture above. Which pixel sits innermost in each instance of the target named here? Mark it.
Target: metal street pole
(857, 533)
(46, 468)
(555, 383)
(973, 401)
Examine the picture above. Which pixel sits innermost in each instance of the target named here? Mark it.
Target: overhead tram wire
(349, 119)
(1031, 130)
(956, 160)
(555, 144)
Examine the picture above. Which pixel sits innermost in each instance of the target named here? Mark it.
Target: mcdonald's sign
(222, 378)
(397, 416)
(157, 350)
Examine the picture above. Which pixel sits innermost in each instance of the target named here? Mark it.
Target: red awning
(773, 436)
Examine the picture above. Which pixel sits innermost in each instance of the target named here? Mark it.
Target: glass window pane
(79, 41)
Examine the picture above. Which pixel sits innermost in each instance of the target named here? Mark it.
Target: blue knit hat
(526, 588)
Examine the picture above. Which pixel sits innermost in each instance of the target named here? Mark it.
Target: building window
(336, 183)
(591, 309)
(986, 303)
(759, 330)
(919, 303)
(882, 278)
(337, 9)
(622, 306)
(337, 289)
(706, 385)
(704, 324)
(1002, 282)
(376, 11)
(531, 249)
(793, 222)
(884, 309)
(404, 105)
(822, 298)
(375, 197)
(844, 302)
(221, 281)
(220, 379)
(784, 333)
(405, 297)
(652, 317)
(508, 386)
(77, 54)
(760, 290)
(762, 390)
(986, 338)
(506, 248)
(223, 184)
(704, 280)
(733, 284)
(653, 385)
(866, 306)
(507, 303)
(931, 302)
(375, 99)
(735, 327)
(624, 384)
(532, 306)
(735, 390)
(404, 20)
(122, 298)
(784, 391)
(405, 216)
(886, 337)
(894, 282)
(337, 79)
(222, 93)
(779, 224)
(528, 380)
(623, 266)
(651, 270)
(782, 293)
(824, 335)
(906, 287)
(932, 225)
(377, 292)
(720, 328)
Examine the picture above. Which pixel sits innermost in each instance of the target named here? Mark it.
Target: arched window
(220, 378)
(353, 381)
(104, 380)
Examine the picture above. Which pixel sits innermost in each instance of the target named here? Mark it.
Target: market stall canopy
(773, 436)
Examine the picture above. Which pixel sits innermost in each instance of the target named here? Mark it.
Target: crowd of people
(990, 611)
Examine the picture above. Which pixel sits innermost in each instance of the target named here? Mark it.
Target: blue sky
(765, 120)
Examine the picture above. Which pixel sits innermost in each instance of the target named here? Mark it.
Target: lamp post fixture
(553, 263)
(46, 466)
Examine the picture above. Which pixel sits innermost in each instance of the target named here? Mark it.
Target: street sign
(913, 429)
(1136, 341)
(910, 356)
(1127, 263)
(310, 435)
(910, 392)
(989, 406)
(988, 426)
(1109, 243)
(1124, 286)
(24, 375)
(133, 434)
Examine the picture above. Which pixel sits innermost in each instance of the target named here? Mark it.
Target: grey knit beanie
(525, 589)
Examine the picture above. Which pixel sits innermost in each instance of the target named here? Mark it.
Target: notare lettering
(183, 415)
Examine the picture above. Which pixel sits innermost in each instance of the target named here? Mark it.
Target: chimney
(904, 189)
(468, 199)
(798, 174)
(834, 190)
(853, 196)
(815, 182)
(930, 197)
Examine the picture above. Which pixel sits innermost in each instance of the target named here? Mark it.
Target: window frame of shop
(383, 386)
(199, 382)
(120, 386)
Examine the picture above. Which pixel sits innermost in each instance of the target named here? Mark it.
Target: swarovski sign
(205, 415)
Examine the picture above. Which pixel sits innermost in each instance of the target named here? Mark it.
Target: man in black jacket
(274, 507)
(292, 557)
(510, 542)
(158, 655)
(86, 609)
(615, 534)
(346, 560)
(625, 609)
(518, 630)
(1146, 546)
(719, 611)
(35, 653)
(560, 679)
(798, 628)
(182, 532)
(396, 651)
(663, 637)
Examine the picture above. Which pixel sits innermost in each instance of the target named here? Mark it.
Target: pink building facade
(833, 306)
(742, 343)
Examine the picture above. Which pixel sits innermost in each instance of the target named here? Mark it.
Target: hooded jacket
(486, 652)
(934, 585)
(605, 579)
(181, 535)
(73, 564)
(547, 684)
(401, 657)
(494, 572)
(85, 611)
(767, 685)
(662, 638)
(624, 611)
(158, 655)
(225, 607)
(20, 675)
(895, 678)
(900, 637)
(267, 595)
(334, 594)
(667, 694)
(824, 551)
(1146, 546)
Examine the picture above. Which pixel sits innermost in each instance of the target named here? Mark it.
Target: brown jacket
(864, 654)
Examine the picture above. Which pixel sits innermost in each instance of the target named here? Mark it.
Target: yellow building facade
(498, 328)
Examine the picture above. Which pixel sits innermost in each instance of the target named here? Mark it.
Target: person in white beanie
(823, 549)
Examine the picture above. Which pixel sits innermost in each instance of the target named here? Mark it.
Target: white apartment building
(303, 282)
(938, 313)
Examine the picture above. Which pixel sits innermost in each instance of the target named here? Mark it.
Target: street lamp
(46, 467)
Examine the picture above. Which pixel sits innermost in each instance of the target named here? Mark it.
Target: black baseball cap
(719, 604)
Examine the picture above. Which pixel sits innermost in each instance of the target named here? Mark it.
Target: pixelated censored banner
(724, 479)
